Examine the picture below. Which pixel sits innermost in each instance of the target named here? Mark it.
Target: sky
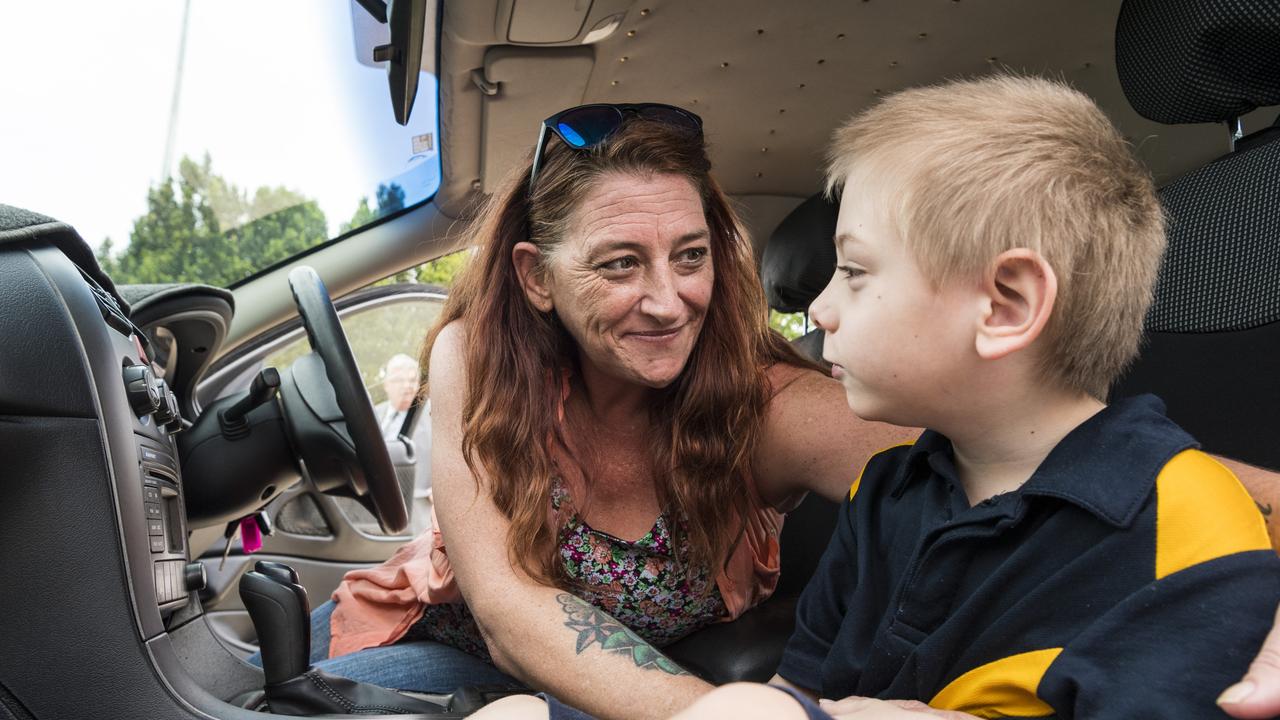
(271, 89)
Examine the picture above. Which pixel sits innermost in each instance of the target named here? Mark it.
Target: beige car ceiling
(771, 79)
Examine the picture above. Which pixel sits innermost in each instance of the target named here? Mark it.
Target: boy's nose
(820, 313)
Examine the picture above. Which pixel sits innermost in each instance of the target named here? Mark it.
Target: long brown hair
(707, 421)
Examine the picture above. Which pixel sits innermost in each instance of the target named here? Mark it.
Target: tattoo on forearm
(593, 626)
(1266, 509)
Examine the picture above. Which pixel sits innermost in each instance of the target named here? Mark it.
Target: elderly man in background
(400, 379)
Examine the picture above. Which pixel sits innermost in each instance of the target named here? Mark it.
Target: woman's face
(632, 278)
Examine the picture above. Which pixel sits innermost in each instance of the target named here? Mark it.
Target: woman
(615, 434)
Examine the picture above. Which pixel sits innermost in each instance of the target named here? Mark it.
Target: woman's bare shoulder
(781, 375)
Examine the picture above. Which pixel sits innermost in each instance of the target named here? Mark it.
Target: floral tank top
(640, 583)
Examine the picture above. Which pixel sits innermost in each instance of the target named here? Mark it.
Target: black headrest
(800, 256)
(1191, 61)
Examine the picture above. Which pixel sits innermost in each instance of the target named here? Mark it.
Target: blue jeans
(419, 666)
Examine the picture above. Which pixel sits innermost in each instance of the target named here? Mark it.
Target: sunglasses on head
(586, 126)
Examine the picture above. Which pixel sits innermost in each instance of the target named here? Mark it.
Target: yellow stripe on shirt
(1202, 513)
(1003, 688)
(853, 489)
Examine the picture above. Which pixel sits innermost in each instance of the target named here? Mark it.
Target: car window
(386, 332)
(377, 333)
(205, 141)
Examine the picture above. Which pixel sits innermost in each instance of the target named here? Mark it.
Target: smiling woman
(634, 279)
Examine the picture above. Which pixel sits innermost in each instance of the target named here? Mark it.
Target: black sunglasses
(586, 126)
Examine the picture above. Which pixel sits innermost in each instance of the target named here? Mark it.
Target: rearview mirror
(393, 35)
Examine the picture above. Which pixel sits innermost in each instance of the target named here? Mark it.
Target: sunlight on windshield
(208, 159)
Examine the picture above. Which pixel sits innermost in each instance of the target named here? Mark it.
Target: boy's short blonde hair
(976, 167)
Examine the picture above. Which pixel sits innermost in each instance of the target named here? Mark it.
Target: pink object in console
(250, 535)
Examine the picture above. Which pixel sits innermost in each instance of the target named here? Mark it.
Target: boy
(1036, 552)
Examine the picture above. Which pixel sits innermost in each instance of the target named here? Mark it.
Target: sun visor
(529, 85)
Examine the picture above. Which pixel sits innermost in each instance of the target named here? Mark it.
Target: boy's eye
(626, 262)
(849, 272)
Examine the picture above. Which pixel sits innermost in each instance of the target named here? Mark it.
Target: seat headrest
(799, 258)
(1192, 61)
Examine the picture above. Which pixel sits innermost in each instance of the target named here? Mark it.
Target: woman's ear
(527, 259)
(1018, 292)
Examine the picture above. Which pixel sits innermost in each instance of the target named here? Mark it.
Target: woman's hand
(861, 708)
(1258, 694)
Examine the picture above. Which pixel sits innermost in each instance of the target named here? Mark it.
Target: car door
(323, 536)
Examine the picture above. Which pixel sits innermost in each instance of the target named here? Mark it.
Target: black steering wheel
(374, 477)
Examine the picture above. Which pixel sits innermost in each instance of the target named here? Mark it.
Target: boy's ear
(1018, 292)
(527, 259)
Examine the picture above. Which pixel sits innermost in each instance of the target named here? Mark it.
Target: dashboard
(93, 529)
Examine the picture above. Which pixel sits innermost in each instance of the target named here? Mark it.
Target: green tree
(442, 270)
(390, 199)
(363, 216)
(201, 228)
(790, 325)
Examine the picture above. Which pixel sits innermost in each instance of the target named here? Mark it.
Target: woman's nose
(662, 295)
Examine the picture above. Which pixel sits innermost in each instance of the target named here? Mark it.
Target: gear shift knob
(280, 614)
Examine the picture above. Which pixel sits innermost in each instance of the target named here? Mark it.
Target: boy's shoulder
(1129, 466)
(884, 466)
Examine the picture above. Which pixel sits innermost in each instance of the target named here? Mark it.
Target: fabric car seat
(797, 262)
(795, 266)
(1213, 331)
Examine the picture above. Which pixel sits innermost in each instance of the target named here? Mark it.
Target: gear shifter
(281, 614)
(278, 606)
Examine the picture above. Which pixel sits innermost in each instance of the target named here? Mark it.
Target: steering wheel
(374, 476)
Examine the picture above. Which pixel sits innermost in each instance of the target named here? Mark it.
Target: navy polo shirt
(1130, 576)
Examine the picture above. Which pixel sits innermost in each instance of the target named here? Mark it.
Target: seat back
(1214, 327)
(796, 264)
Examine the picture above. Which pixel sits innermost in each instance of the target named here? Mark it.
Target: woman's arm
(1264, 488)
(813, 441)
(549, 639)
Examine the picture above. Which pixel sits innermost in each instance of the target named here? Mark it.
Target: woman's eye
(626, 262)
(694, 255)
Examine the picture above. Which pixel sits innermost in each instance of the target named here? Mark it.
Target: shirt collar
(1130, 438)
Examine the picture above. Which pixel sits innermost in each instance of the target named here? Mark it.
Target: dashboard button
(157, 544)
(154, 511)
(155, 527)
(140, 388)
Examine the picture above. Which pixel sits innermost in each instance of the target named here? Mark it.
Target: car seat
(1213, 331)
(797, 261)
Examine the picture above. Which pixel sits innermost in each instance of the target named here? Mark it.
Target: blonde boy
(1036, 552)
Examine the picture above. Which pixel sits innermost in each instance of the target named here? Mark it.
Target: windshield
(205, 140)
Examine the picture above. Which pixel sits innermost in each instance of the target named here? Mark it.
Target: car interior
(142, 427)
